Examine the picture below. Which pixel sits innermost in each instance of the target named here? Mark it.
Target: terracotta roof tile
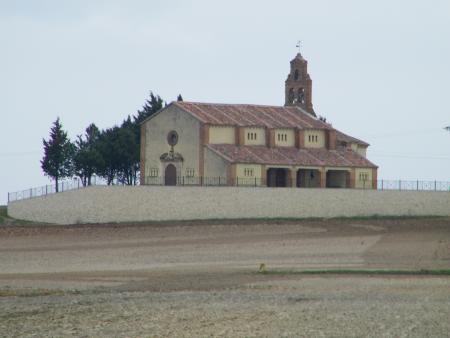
(290, 156)
(249, 115)
(340, 136)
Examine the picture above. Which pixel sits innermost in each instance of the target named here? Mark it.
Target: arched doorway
(170, 175)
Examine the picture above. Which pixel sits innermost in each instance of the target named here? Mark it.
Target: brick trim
(301, 139)
(204, 131)
(323, 178)
(271, 138)
(142, 154)
(331, 139)
(231, 170)
(374, 178)
(263, 175)
(350, 179)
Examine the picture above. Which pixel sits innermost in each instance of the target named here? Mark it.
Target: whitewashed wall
(141, 203)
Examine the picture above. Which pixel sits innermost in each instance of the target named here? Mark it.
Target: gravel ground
(200, 280)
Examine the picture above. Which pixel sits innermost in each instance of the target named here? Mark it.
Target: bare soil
(197, 279)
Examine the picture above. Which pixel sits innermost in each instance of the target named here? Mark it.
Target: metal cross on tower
(299, 45)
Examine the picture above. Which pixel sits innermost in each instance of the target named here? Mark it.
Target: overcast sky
(380, 70)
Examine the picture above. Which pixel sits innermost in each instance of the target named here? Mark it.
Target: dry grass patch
(29, 292)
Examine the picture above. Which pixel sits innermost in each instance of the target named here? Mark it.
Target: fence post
(31, 192)
(382, 184)
(8, 198)
(417, 185)
(399, 184)
(255, 181)
(434, 185)
(237, 181)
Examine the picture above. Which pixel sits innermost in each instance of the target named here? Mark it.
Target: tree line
(112, 154)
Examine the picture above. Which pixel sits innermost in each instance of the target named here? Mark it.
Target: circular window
(172, 138)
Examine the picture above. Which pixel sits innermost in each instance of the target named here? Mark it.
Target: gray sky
(380, 70)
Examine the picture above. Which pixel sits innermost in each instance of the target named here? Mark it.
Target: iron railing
(413, 185)
(49, 189)
(400, 185)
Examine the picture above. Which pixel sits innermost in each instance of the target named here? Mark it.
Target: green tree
(128, 147)
(108, 168)
(58, 153)
(151, 106)
(87, 159)
(117, 147)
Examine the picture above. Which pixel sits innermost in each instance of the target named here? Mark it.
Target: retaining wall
(102, 204)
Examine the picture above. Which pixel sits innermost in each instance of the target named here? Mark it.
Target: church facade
(190, 143)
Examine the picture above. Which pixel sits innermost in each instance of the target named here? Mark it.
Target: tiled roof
(340, 136)
(290, 156)
(250, 115)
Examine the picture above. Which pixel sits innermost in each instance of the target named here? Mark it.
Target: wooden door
(170, 177)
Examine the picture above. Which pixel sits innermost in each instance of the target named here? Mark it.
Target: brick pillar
(263, 175)
(231, 170)
(322, 178)
(271, 138)
(240, 136)
(331, 139)
(374, 178)
(293, 178)
(205, 134)
(351, 178)
(142, 154)
(288, 178)
(300, 139)
(204, 139)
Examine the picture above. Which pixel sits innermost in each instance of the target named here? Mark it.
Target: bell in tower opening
(298, 88)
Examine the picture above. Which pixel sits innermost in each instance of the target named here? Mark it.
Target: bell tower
(298, 85)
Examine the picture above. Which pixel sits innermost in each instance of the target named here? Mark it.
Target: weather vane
(299, 45)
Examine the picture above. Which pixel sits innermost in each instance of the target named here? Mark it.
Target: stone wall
(140, 203)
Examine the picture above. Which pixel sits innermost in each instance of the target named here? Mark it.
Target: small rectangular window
(190, 172)
(153, 172)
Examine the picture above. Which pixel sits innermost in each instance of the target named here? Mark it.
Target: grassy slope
(6, 220)
(382, 272)
(3, 213)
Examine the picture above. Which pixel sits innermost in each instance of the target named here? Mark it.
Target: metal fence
(49, 189)
(413, 185)
(401, 185)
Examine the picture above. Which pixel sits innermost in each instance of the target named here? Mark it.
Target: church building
(192, 143)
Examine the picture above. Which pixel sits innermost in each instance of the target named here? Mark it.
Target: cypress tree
(58, 152)
(87, 159)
